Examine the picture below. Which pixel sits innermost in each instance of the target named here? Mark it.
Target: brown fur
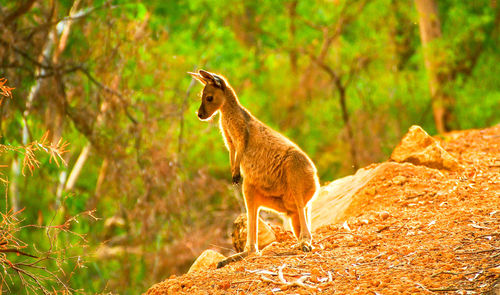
(277, 174)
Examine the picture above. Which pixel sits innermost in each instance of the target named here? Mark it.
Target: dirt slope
(416, 230)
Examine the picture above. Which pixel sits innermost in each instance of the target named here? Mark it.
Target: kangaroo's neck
(231, 103)
(231, 107)
(233, 116)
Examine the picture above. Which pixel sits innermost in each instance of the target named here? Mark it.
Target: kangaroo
(276, 173)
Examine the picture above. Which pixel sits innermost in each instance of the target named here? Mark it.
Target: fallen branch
(423, 287)
(480, 251)
(450, 289)
(443, 289)
(299, 282)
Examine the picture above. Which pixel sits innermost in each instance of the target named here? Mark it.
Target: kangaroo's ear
(213, 79)
(199, 77)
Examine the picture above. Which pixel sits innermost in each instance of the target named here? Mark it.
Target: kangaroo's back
(271, 159)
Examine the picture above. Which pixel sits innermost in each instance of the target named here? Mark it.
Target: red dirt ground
(417, 231)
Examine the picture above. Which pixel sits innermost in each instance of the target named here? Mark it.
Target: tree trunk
(13, 184)
(56, 108)
(77, 168)
(293, 56)
(347, 123)
(430, 31)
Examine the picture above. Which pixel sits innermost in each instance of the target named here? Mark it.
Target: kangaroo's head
(213, 96)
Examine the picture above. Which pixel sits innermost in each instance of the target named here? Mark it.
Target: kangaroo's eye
(210, 98)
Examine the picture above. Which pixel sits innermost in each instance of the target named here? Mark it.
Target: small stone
(314, 278)
(383, 215)
(365, 221)
(375, 283)
(224, 285)
(399, 180)
(371, 191)
(381, 228)
(351, 244)
(315, 272)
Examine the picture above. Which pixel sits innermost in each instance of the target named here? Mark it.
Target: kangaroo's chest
(235, 131)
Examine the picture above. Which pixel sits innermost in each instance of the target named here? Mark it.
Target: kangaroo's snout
(201, 113)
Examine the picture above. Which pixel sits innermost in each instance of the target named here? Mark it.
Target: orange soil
(417, 230)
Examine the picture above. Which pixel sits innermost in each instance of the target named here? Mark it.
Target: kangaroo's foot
(233, 258)
(304, 245)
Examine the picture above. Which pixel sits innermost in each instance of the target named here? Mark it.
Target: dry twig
(299, 282)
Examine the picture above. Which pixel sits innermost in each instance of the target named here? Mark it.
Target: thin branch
(82, 13)
(35, 279)
(25, 55)
(18, 252)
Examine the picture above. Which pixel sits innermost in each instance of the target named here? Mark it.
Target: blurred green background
(343, 79)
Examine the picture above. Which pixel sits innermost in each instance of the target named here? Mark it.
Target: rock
(265, 236)
(207, 260)
(371, 191)
(337, 200)
(383, 215)
(400, 179)
(418, 148)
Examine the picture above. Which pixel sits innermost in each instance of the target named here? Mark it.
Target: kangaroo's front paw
(236, 178)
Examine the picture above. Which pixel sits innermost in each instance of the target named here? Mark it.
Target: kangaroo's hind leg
(301, 229)
(295, 223)
(300, 216)
(252, 203)
(305, 237)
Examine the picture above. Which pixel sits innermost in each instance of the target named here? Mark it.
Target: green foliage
(157, 176)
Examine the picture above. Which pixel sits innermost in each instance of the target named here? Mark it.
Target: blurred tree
(436, 64)
(341, 80)
(449, 60)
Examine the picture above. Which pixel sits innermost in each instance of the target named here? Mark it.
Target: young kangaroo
(277, 174)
